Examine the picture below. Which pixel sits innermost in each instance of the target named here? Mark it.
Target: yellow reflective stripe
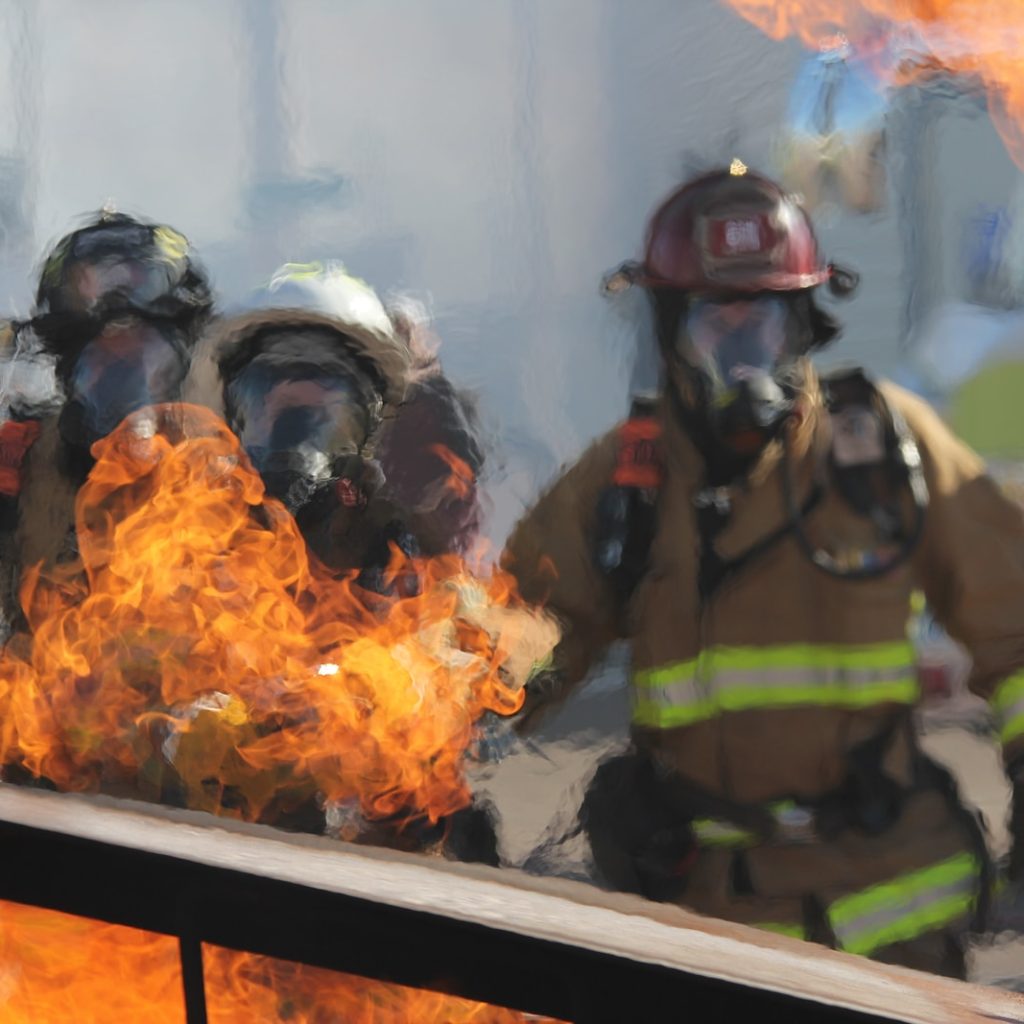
(790, 656)
(714, 832)
(900, 691)
(665, 675)
(298, 272)
(935, 914)
(310, 271)
(1014, 725)
(795, 931)
(657, 716)
(171, 243)
(886, 894)
(1008, 692)
(907, 906)
(1008, 704)
(782, 675)
(719, 832)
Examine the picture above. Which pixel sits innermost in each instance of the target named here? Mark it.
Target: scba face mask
(737, 351)
(304, 414)
(127, 367)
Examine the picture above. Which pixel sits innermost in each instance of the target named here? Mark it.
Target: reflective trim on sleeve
(1008, 706)
(910, 905)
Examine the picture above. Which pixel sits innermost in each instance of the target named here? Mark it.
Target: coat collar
(756, 501)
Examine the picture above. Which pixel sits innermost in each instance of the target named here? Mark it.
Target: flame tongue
(55, 967)
(195, 650)
(269, 989)
(981, 40)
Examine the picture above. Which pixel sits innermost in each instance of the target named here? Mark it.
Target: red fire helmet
(731, 231)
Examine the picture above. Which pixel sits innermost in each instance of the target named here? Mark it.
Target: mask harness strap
(714, 504)
(627, 509)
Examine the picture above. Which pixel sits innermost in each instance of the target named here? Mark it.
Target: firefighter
(312, 378)
(756, 533)
(307, 392)
(119, 305)
(347, 417)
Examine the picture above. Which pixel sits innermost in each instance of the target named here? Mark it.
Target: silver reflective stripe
(901, 910)
(685, 691)
(725, 679)
(831, 675)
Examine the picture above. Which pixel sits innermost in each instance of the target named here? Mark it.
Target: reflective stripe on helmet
(297, 272)
(726, 679)
(173, 244)
(907, 906)
(325, 288)
(1008, 705)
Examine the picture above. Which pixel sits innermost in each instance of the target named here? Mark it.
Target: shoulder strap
(626, 508)
(16, 438)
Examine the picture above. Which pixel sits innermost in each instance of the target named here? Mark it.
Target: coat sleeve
(550, 554)
(971, 564)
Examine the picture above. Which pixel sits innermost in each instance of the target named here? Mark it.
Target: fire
(460, 476)
(978, 40)
(244, 987)
(57, 967)
(194, 653)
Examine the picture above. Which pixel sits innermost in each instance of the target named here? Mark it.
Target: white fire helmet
(325, 288)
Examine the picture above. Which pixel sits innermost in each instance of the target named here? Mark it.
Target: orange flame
(978, 40)
(195, 650)
(460, 476)
(56, 967)
(243, 987)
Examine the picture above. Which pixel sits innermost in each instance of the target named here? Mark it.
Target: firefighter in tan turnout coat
(757, 535)
(120, 304)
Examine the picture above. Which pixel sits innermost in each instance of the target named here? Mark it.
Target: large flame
(57, 967)
(981, 41)
(242, 987)
(195, 654)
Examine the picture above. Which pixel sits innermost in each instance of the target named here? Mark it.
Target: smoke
(28, 379)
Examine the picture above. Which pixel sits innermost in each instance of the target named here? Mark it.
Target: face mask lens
(121, 371)
(283, 415)
(734, 341)
(301, 407)
(296, 415)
